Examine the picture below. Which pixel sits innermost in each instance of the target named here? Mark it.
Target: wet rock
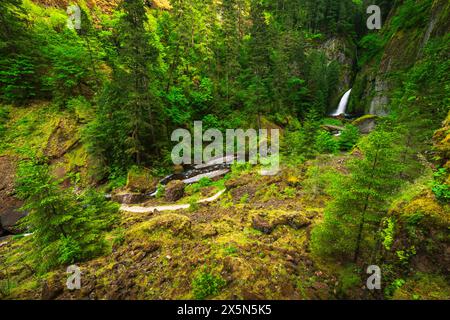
(9, 219)
(174, 191)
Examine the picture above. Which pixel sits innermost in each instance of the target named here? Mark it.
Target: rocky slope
(399, 47)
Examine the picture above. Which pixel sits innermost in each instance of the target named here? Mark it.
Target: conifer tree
(65, 229)
(134, 74)
(360, 200)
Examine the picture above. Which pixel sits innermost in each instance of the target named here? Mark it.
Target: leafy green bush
(325, 143)
(293, 145)
(440, 188)
(17, 79)
(68, 250)
(206, 284)
(349, 137)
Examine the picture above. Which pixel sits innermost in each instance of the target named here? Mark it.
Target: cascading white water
(343, 104)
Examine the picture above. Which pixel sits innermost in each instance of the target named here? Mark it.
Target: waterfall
(343, 104)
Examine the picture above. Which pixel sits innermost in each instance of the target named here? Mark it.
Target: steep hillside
(88, 179)
(387, 54)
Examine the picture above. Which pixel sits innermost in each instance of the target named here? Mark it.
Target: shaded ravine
(175, 207)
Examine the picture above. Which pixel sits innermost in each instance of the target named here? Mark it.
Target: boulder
(174, 190)
(332, 128)
(260, 223)
(52, 288)
(9, 205)
(366, 124)
(9, 218)
(128, 197)
(140, 180)
(267, 222)
(175, 224)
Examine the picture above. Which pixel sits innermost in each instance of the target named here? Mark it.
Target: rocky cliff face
(402, 46)
(343, 51)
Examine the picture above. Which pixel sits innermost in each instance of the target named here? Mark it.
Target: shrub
(349, 137)
(68, 250)
(440, 188)
(388, 233)
(206, 284)
(325, 143)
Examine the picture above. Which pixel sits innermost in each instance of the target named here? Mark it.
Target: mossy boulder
(267, 221)
(422, 223)
(141, 180)
(174, 191)
(366, 124)
(423, 287)
(174, 224)
(63, 139)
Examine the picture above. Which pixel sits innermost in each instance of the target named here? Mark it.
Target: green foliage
(231, 251)
(360, 200)
(289, 192)
(404, 256)
(244, 199)
(349, 278)
(193, 205)
(68, 250)
(325, 143)
(65, 228)
(395, 285)
(160, 191)
(4, 117)
(388, 233)
(372, 45)
(440, 187)
(293, 145)
(349, 137)
(412, 14)
(206, 284)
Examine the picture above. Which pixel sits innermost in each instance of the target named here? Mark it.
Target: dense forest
(92, 91)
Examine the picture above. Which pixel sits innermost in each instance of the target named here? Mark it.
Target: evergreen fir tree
(360, 200)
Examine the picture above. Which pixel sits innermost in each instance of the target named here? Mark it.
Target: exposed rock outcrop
(9, 205)
(377, 80)
(266, 222)
(174, 190)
